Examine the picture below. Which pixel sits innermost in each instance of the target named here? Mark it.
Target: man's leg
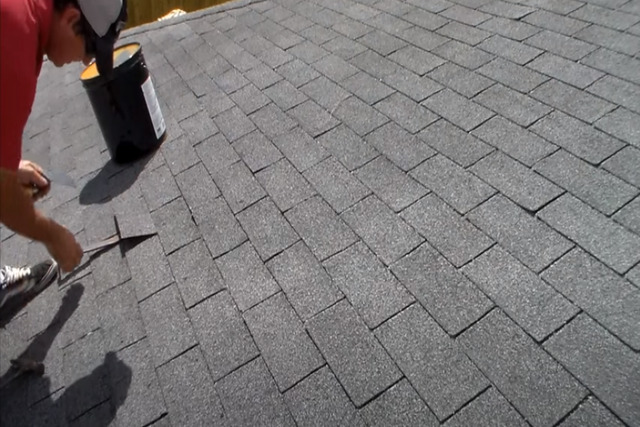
(21, 280)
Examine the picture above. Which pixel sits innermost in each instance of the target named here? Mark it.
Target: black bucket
(126, 105)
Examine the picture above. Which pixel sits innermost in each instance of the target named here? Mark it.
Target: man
(66, 31)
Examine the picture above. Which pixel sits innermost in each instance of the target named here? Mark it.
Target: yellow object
(120, 55)
(173, 14)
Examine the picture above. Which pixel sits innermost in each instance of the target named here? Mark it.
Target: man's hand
(30, 175)
(64, 248)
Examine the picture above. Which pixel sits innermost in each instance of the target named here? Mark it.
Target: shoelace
(15, 274)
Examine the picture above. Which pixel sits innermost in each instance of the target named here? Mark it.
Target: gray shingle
(506, 10)
(465, 15)
(344, 47)
(307, 285)
(249, 99)
(300, 149)
(267, 229)
(512, 105)
(567, 47)
(512, 75)
(319, 226)
(529, 378)
(320, 398)
(624, 165)
(400, 405)
(216, 153)
(453, 237)
(285, 95)
(516, 181)
(307, 52)
(362, 366)
(416, 59)
(490, 407)
(410, 84)
(175, 226)
(196, 186)
(188, 390)
(532, 303)
(614, 40)
(238, 186)
(388, 23)
(622, 124)
(233, 123)
(509, 49)
(219, 228)
(272, 121)
(367, 88)
(554, 22)
(162, 312)
(565, 70)
(463, 33)
(230, 81)
(314, 119)
(325, 92)
(629, 216)
(335, 68)
(424, 38)
(572, 101)
(250, 397)
(448, 296)
(149, 269)
(257, 151)
(591, 412)
(440, 372)
(247, 278)
(285, 346)
(405, 112)
(284, 184)
(465, 82)
(606, 297)
(617, 91)
(528, 239)
(617, 20)
(399, 146)
(297, 72)
(457, 109)
(381, 42)
(135, 385)
(336, 184)
(179, 154)
(457, 145)
(376, 65)
(576, 137)
(81, 359)
(384, 232)
(456, 186)
(390, 184)
(594, 186)
(623, 66)
(463, 54)
(509, 28)
(597, 234)
(359, 116)
(345, 145)
(602, 363)
(195, 272)
(120, 317)
(263, 76)
(158, 187)
(219, 327)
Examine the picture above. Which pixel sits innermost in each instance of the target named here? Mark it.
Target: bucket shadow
(112, 180)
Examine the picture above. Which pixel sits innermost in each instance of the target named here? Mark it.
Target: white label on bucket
(154, 107)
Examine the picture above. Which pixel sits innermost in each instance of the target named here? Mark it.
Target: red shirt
(24, 33)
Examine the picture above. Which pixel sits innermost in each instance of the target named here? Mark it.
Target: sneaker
(22, 280)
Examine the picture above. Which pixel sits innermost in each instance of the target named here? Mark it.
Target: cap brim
(104, 56)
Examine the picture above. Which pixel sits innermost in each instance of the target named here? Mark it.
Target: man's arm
(19, 214)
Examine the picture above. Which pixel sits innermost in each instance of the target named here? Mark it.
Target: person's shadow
(15, 409)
